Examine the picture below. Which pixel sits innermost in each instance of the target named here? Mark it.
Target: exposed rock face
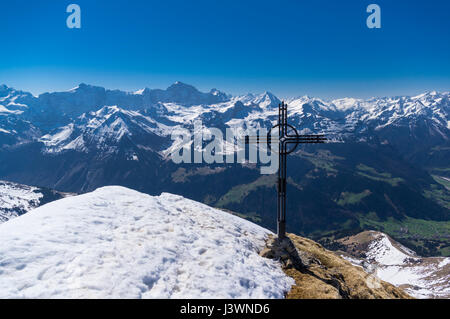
(321, 274)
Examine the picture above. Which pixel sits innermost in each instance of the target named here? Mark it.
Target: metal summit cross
(289, 139)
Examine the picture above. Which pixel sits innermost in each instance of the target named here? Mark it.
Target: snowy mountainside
(23, 117)
(385, 258)
(118, 243)
(17, 199)
(101, 130)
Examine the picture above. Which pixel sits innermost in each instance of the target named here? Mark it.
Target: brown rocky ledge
(321, 274)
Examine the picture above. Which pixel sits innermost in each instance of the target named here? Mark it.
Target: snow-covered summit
(118, 243)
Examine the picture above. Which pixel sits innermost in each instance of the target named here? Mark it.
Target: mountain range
(386, 166)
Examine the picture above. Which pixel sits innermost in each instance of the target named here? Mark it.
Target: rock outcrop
(322, 274)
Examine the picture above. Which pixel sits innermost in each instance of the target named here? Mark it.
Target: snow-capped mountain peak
(267, 100)
(144, 91)
(346, 104)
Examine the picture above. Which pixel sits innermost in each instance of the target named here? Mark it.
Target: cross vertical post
(287, 135)
(282, 170)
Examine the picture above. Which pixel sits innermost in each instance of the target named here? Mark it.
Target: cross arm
(306, 139)
(256, 140)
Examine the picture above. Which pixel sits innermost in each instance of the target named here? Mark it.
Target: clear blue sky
(321, 48)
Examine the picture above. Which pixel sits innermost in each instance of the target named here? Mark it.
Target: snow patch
(383, 252)
(396, 264)
(58, 138)
(118, 243)
(3, 109)
(17, 199)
